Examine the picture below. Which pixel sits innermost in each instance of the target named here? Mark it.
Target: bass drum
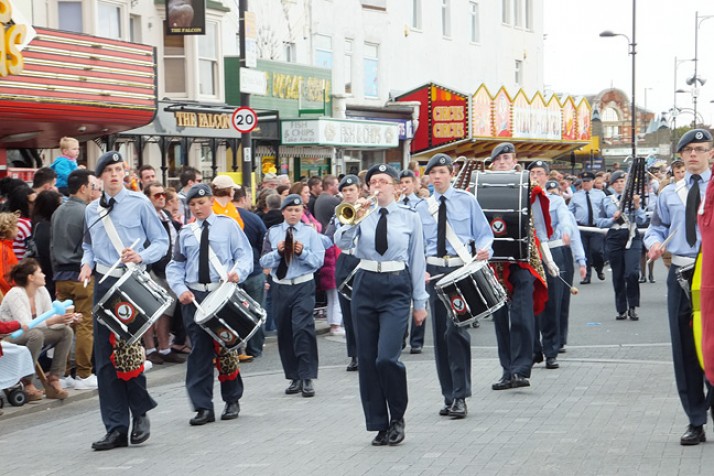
(504, 198)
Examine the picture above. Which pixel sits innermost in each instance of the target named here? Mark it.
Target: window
(348, 66)
(517, 13)
(506, 11)
(109, 20)
(474, 22)
(371, 70)
(519, 72)
(529, 14)
(208, 61)
(415, 17)
(290, 52)
(323, 51)
(135, 28)
(446, 18)
(70, 16)
(610, 118)
(174, 63)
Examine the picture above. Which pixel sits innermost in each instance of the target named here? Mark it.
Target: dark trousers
(625, 264)
(548, 322)
(452, 346)
(345, 265)
(117, 397)
(568, 274)
(255, 287)
(593, 246)
(691, 383)
(292, 308)
(381, 310)
(268, 306)
(515, 325)
(199, 366)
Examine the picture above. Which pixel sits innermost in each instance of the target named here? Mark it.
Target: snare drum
(504, 198)
(471, 292)
(346, 287)
(132, 305)
(230, 316)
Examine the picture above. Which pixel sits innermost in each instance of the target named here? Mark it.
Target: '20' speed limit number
(244, 120)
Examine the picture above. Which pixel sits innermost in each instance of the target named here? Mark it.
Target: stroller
(15, 363)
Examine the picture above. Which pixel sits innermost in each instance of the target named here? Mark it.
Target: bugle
(346, 213)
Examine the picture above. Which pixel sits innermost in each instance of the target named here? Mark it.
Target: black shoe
(173, 357)
(396, 432)
(231, 411)
(295, 387)
(475, 324)
(458, 409)
(693, 436)
(112, 440)
(621, 317)
(353, 366)
(140, 429)
(202, 417)
(445, 409)
(632, 313)
(551, 363)
(503, 384)
(585, 281)
(518, 381)
(601, 275)
(415, 350)
(562, 350)
(381, 439)
(307, 389)
(643, 279)
(537, 358)
(652, 279)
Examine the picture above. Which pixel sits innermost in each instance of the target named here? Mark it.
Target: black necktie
(590, 209)
(287, 254)
(693, 200)
(406, 201)
(380, 236)
(441, 230)
(204, 274)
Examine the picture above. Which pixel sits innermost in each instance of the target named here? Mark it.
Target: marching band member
(587, 206)
(624, 260)
(294, 251)
(526, 284)
(192, 275)
(676, 213)
(460, 211)
(390, 277)
(118, 219)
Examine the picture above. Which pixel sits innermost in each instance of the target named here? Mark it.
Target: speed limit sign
(244, 119)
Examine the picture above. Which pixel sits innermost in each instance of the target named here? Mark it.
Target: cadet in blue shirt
(452, 343)
(294, 251)
(134, 218)
(390, 277)
(675, 218)
(192, 276)
(587, 206)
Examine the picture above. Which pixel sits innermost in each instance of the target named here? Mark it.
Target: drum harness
(451, 237)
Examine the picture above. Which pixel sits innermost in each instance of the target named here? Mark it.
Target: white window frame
(347, 66)
(185, 57)
(446, 18)
(415, 17)
(290, 51)
(518, 13)
(365, 59)
(81, 9)
(518, 70)
(135, 28)
(214, 61)
(101, 30)
(506, 12)
(322, 49)
(474, 21)
(528, 14)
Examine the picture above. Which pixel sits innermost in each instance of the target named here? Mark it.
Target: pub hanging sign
(185, 17)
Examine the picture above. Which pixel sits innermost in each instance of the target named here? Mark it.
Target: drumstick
(198, 306)
(436, 276)
(118, 262)
(573, 289)
(664, 243)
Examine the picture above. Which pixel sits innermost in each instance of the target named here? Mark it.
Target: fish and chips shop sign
(340, 133)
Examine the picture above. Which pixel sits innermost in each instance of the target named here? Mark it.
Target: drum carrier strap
(113, 234)
(459, 247)
(220, 269)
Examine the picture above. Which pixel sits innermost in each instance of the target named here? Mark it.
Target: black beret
(406, 173)
(348, 180)
(539, 164)
(107, 158)
(616, 175)
(291, 200)
(694, 136)
(381, 169)
(438, 160)
(551, 184)
(197, 191)
(504, 148)
(587, 176)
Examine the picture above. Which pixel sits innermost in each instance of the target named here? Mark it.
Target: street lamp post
(677, 62)
(695, 80)
(633, 51)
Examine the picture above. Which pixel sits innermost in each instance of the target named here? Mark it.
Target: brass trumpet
(346, 213)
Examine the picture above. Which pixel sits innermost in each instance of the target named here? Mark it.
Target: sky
(578, 62)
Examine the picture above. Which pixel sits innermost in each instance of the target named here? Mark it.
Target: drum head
(214, 302)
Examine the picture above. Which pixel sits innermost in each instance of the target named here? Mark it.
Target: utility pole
(245, 139)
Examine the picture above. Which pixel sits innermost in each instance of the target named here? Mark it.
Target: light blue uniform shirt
(134, 217)
(576, 243)
(579, 205)
(413, 201)
(466, 218)
(609, 207)
(225, 238)
(559, 217)
(310, 260)
(669, 215)
(406, 244)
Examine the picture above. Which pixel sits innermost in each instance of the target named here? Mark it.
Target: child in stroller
(15, 363)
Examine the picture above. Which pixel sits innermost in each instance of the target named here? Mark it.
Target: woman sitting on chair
(26, 300)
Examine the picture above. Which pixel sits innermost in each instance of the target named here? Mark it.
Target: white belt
(619, 226)
(381, 266)
(300, 279)
(208, 287)
(445, 262)
(115, 273)
(682, 260)
(351, 251)
(555, 243)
